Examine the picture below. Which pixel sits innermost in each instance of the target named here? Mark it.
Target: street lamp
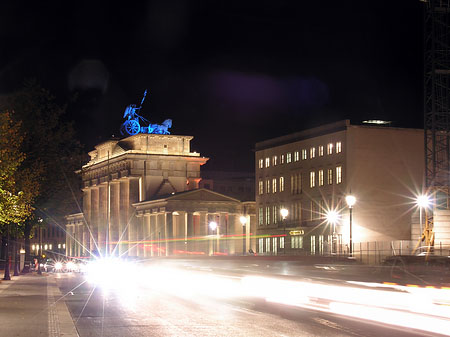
(332, 218)
(351, 200)
(284, 213)
(243, 220)
(423, 201)
(213, 226)
(40, 249)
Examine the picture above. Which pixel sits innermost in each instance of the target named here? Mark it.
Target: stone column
(140, 235)
(133, 223)
(103, 218)
(68, 240)
(114, 219)
(203, 245)
(154, 235)
(224, 232)
(124, 246)
(147, 235)
(93, 235)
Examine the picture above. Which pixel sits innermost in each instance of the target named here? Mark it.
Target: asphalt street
(156, 312)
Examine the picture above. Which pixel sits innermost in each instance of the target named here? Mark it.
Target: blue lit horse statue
(132, 127)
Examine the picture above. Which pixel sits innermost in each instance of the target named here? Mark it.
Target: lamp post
(422, 201)
(40, 249)
(213, 226)
(351, 200)
(332, 217)
(284, 213)
(243, 220)
(7, 276)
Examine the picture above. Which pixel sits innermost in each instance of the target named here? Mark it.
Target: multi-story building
(311, 172)
(239, 185)
(141, 197)
(49, 240)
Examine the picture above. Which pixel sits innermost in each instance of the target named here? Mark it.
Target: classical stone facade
(136, 201)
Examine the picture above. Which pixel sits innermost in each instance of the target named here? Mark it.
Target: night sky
(229, 73)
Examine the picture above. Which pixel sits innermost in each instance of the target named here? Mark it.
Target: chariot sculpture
(132, 126)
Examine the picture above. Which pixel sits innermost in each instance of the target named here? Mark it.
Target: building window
(320, 177)
(260, 187)
(274, 185)
(297, 241)
(296, 183)
(321, 244)
(33, 247)
(330, 176)
(288, 158)
(275, 214)
(267, 215)
(267, 162)
(268, 245)
(282, 159)
(338, 147)
(330, 148)
(282, 242)
(304, 154)
(59, 246)
(313, 210)
(312, 179)
(267, 186)
(321, 151)
(261, 163)
(338, 174)
(281, 184)
(261, 246)
(313, 244)
(296, 156)
(274, 160)
(312, 152)
(274, 245)
(50, 246)
(261, 217)
(64, 246)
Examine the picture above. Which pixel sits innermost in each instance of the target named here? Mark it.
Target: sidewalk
(32, 305)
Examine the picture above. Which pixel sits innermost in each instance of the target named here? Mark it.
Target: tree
(52, 155)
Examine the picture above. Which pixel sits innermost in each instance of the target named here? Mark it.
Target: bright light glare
(418, 308)
(350, 200)
(243, 220)
(58, 265)
(332, 217)
(213, 225)
(423, 201)
(111, 273)
(284, 213)
(70, 266)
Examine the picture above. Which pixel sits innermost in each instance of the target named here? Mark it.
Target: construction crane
(436, 110)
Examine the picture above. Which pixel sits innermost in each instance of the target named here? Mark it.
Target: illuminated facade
(310, 173)
(141, 197)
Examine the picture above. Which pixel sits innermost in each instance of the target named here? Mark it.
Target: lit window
(288, 158)
(267, 162)
(268, 245)
(261, 163)
(267, 215)
(282, 242)
(320, 244)
(274, 160)
(275, 214)
(261, 246)
(304, 154)
(33, 247)
(260, 187)
(292, 184)
(281, 184)
(321, 151)
(267, 186)
(338, 174)
(45, 247)
(330, 176)
(312, 179)
(313, 210)
(330, 148)
(59, 246)
(274, 185)
(320, 177)
(313, 244)
(312, 152)
(50, 247)
(338, 147)
(64, 246)
(274, 245)
(296, 156)
(282, 159)
(261, 217)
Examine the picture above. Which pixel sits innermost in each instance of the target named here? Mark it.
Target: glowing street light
(213, 226)
(351, 200)
(284, 213)
(332, 218)
(422, 201)
(243, 220)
